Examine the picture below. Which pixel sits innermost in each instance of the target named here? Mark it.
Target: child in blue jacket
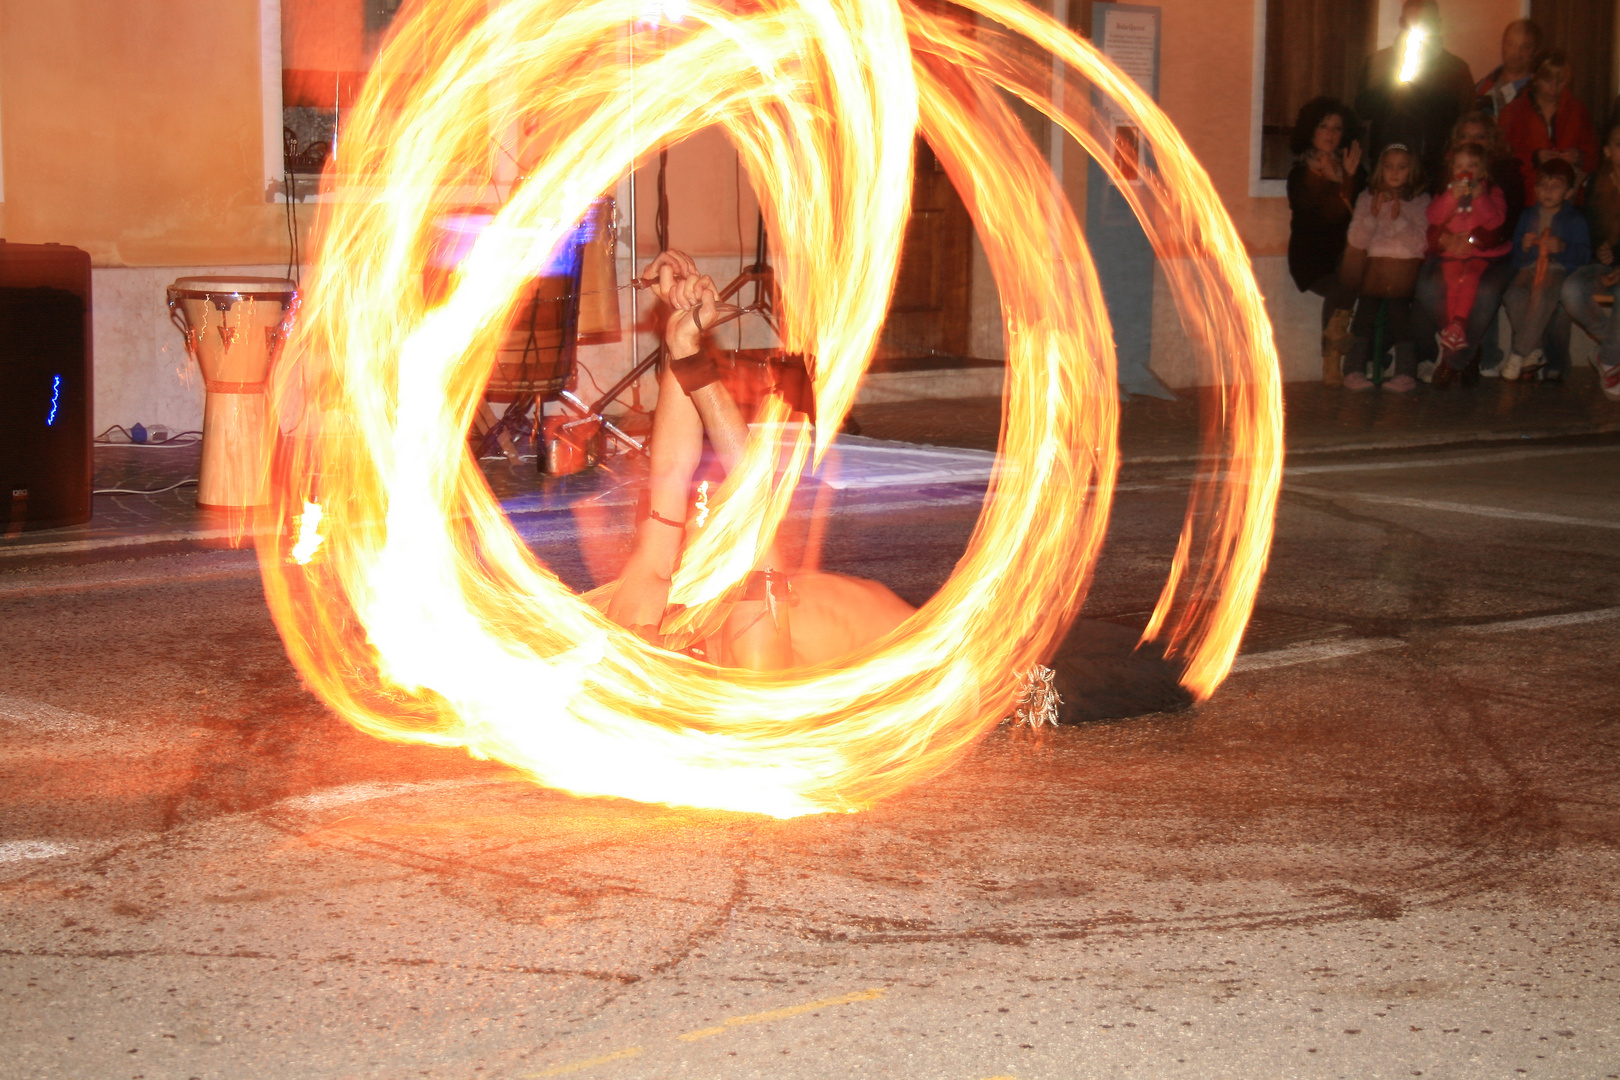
(1551, 242)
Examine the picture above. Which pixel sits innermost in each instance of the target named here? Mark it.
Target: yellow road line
(782, 1014)
(576, 1066)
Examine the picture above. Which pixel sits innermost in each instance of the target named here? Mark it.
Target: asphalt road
(1388, 847)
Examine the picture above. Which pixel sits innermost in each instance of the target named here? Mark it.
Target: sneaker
(1511, 367)
(1533, 361)
(1426, 370)
(1355, 380)
(1608, 376)
(1401, 384)
(1453, 338)
(1491, 372)
(1550, 375)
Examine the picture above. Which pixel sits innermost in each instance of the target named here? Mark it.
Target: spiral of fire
(424, 618)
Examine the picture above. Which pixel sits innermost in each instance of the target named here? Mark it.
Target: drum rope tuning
(235, 362)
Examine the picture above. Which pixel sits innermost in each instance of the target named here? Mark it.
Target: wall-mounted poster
(1128, 34)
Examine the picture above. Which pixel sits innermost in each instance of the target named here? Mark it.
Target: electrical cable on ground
(179, 438)
(143, 491)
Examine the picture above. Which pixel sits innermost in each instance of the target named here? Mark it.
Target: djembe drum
(234, 327)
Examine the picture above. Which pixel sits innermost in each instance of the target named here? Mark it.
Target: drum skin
(234, 328)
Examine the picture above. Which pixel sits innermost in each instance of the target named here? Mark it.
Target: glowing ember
(427, 620)
(309, 536)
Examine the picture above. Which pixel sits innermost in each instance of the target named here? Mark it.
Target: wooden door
(929, 315)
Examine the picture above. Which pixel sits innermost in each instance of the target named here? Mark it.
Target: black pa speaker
(45, 373)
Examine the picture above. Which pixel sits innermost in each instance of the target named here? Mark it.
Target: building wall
(133, 130)
(1207, 87)
(137, 132)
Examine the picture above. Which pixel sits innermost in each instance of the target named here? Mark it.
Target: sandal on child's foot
(1355, 380)
(1401, 384)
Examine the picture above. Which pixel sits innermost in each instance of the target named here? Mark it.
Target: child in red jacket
(1470, 205)
(1549, 122)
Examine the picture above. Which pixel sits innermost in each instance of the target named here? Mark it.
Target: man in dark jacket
(1413, 91)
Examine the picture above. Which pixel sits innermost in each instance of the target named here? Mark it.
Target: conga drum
(598, 277)
(234, 327)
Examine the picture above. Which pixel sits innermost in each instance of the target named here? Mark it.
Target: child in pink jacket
(1470, 205)
(1384, 249)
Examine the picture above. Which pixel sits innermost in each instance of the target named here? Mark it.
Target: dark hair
(1414, 173)
(1316, 110)
(1428, 12)
(1495, 146)
(1532, 30)
(1559, 168)
(1551, 60)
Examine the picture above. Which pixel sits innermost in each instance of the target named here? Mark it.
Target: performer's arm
(691, 401)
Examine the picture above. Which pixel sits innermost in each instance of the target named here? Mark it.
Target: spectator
(1469, 205)
(1322, 187)
(1550, 122)
(1588, 294)
(1521, 41)
(1420, 109)
(1482, 328)
(1551, 242)
(1478, 127)
(1384, 249)
(1603, 201)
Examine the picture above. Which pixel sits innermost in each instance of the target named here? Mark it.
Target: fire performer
(776, 620)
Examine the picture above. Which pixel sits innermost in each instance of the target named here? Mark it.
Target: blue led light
(56, 399)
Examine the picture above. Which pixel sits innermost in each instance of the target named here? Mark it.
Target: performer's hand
(675, 280)
(662, 273)
(694, 300)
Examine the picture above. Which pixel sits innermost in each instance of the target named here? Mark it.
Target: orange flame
(427, 620)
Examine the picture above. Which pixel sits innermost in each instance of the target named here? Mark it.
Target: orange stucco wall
(133, 130)
(710, 199)
(1206, 82)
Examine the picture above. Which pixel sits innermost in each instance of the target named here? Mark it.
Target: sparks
(702, 504)
(428, 620)
(309, 537)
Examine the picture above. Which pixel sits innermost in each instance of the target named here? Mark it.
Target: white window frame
(1258, 188)
(273, 122)
(270, 97)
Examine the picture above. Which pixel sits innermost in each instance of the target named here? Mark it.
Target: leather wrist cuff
(696, 371)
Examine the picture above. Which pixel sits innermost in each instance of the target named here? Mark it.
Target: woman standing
(1322, 190)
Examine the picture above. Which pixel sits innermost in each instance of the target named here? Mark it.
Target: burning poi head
(422, 617)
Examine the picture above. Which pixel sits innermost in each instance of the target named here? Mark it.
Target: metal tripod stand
(759, 275)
